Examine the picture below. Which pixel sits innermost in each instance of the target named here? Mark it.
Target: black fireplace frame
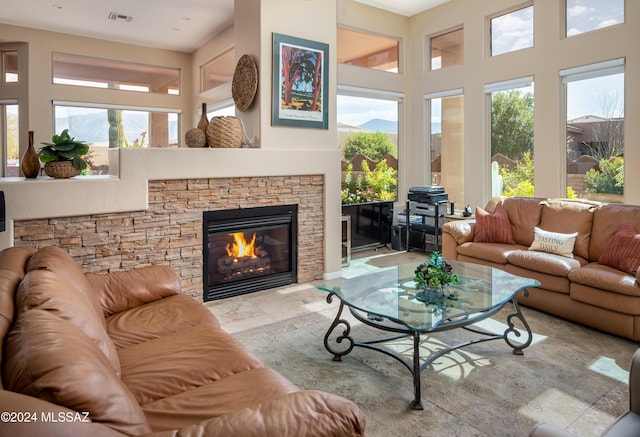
(247, 219)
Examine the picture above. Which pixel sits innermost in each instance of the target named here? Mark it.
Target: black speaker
(399, 237)
(3, 220)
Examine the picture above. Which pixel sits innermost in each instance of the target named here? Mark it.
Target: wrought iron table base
(416, 366)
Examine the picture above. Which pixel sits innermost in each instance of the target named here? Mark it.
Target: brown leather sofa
(627, 425)
(579, 288)
(125, 353)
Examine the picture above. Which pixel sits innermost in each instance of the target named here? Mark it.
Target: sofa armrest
(634, 383)
(462, 231)
(120, 291)
(307, 412)
(51, 419)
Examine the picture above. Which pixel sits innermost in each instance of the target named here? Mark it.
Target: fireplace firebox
(249, 249)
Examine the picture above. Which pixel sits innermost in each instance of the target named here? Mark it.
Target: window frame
(565, 17)
(429, 56)
(367, 33)
(586, 72)
(489, 33)
(489, 89)
(370, 93)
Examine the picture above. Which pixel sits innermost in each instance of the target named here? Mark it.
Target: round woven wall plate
(245, 83)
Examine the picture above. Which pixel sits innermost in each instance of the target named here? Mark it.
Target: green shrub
(379, 184)
(609, 179)
(519, 182)
(373, 145)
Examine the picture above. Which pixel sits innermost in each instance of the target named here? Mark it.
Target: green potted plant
(432, 277)
(63, 157)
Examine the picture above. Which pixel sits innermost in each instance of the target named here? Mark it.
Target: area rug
(571, 376)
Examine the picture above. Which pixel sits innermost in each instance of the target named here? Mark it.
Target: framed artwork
(300, 78)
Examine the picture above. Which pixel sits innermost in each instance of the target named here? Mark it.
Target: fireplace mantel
(126, 189)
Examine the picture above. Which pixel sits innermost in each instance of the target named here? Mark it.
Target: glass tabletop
(390, 294)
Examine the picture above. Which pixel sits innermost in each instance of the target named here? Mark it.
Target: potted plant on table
(64, 156)
(431, 278)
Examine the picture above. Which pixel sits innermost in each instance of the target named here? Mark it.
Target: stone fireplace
(249, 249)
(150, 210)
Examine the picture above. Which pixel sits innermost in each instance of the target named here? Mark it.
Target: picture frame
(300, 82)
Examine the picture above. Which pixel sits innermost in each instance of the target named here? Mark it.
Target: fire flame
(240, 247)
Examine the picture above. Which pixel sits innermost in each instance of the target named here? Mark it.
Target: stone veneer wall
(170, 230)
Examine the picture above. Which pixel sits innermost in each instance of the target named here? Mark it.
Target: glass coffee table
(385, 299)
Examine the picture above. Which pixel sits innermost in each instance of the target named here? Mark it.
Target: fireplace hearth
(249, 249)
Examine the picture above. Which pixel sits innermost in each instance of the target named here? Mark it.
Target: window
(226, 108)
(447, 49)
(446, 111)
(587, 15)
(218, 71)
(368, 139)
(512, 164)
(512, 31)
(103, 73)
(105, 127)
(595, 130)
(366, 50)
(9, 64)
(10, 138)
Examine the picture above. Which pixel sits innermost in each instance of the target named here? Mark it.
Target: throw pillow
(553, 242)
(623, 250)
(493, 228)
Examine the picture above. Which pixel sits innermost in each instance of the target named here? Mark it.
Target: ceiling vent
(115, 16)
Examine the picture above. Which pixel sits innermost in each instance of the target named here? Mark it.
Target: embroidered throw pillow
(553, 242)
(623, 250)
(493, 228)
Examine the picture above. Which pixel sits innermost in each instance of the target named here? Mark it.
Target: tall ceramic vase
(30, 163)
(203, 123)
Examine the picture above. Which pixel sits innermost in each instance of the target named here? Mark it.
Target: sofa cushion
(553, 242)
(496, 253)
(619, 303)
(557, 284)
(55, 259)
(188, 359)
(524, 214)
(49, 291)
(120, 291)
(492, 228)
(556, 265)
(157, 319)
(606, 221)
(568, 216)
(606, 278)
(301, 413)
(218, 398)
(50, 358)
(623, 250)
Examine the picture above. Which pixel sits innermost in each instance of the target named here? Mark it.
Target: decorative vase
(61, 169)
(30, 163)
(195, 138)
(203, 123)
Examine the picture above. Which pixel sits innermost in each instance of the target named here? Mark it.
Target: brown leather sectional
(579, 288)
(125, 353)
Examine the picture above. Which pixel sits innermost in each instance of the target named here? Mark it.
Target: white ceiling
(182, 25)
(404, 7)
